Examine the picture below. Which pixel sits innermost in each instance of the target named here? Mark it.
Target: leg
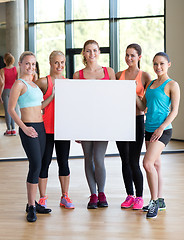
(100, 172)
(62, 153)
(5, 97)
(134, 156)
(154, 150)
(46, 160)
(123, 148)
(87, 147)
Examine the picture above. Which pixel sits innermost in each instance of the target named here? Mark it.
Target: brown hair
(138, 49)
(9, 59)
(24, 54)
(85, 44)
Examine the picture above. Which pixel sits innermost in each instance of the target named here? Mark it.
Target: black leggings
(34, 148)
(62, 154)
(130, 154)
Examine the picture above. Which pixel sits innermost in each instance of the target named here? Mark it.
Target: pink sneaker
(138, 203)
(129, 201)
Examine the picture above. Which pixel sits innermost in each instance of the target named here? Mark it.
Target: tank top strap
(106, 73)
(139, 76)
(122, 77)
(81, 74)
(49, 79)
(164, 84)
(24, 82)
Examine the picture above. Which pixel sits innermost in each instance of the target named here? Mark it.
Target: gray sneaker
(153, 209)
(161, 205)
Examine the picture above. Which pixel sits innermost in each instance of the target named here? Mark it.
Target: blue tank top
(32, 97)
(158, 107)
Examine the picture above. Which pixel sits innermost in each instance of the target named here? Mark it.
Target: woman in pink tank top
(130, 151)
(94, 151)
(8, 75)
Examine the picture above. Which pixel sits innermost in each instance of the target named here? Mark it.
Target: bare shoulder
(173, 85)
(146, 77)
(42, 83)
(76, 75)
(118, 75)
(111, 73)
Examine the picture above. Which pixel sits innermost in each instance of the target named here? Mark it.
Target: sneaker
(39, 209)
(66, 202)
(13, 132)
(129, 201)
(161, 205)
(138, 203)
(102, 202)
(31, 216)
(153, 209)
(43, 201)
(7, 133)
(93, 202)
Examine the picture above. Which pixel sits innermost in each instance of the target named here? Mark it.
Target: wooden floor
(108, 224)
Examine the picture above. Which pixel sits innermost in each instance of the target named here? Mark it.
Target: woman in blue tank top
(162, 101)
(31, 127)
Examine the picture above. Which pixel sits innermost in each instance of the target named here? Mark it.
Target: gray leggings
(10, 124)
(94, 154)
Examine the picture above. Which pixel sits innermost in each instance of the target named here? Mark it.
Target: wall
(175, 50)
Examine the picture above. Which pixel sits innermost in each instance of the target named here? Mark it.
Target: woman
(94, 151)
(130, 151)
(46, 84)
(160, 94)
(31, 127)
(8, 75)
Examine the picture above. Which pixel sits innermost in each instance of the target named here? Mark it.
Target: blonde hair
(9, 59)
(55, 53)
(85, 44)
(24, 54)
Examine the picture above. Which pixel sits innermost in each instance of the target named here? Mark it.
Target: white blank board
(96, 110)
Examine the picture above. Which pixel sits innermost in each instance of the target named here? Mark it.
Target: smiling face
(132, 57)
(161, 65)
(91, 52)
(28, 65)
(57, 64)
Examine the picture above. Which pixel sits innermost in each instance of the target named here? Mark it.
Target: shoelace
(67, 198)
(128, 198)
(151, 207)
(137, 200)
(42, 200)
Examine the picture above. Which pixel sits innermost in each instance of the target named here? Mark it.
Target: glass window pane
(97, 30)
(103, 61)
(84, 9)
(46, 10)
(135, 8)
(49, 37)
(148, 33)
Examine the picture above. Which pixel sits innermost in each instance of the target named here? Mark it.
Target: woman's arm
(15, 92)
(141, 103)
(175, 99)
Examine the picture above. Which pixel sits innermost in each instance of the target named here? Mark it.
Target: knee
(147, 166)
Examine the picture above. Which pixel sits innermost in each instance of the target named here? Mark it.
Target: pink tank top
(10, 75)
(139, 86)
(106, 77)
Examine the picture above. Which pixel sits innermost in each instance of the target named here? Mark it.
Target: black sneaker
(39, 208)
(152, 209)
(161, 204)
(31, 216)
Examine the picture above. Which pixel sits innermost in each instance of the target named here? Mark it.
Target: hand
(156, 135)
(1, 100)
(53, 91)
(31, 132)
